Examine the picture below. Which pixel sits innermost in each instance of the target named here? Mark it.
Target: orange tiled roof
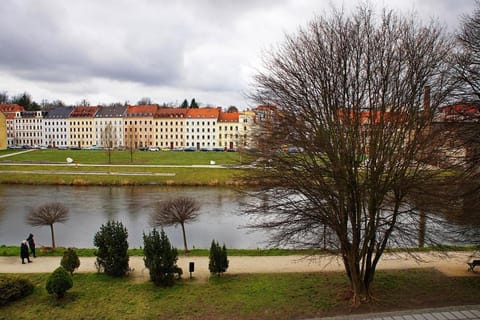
(460, 108)
(228, 117)
(142, 110)
(171, 113)
(83, 112)
(7, 108)
(371, 116)
(203, 113)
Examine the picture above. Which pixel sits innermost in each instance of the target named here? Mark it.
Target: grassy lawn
(35, 170)
(123, 157)
(263, 296)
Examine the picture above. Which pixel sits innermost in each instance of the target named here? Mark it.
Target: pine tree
(160, 258)
(112, 253)
(218, 261)
(184, 104)
(193, 104)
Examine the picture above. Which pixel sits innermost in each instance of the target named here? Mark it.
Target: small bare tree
(47, 215)
(176, 211)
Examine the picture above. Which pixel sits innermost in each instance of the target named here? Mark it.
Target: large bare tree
(350, 96)
(176, 211)
(468, 56)
(47, 215)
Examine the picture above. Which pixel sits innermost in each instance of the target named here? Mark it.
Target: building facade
(109, 127)
(29, 128)
(200, 128)
(80, 127)
(3, 132)
(170, 128)
(10, 111)
(56, 128)
(139, 131)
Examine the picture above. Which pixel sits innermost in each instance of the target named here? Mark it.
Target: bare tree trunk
(184, 237)
(53, 236)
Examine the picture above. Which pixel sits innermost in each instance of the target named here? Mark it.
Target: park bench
(473, 264)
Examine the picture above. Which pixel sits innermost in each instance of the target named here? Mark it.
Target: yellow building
(80, 126)
(139, 125)
(3, 132)
(169, 128)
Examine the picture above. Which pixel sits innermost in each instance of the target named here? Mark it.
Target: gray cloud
(190, 47)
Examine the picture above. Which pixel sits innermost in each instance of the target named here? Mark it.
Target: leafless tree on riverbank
(47, 215)
(349, 92)
(176, 211)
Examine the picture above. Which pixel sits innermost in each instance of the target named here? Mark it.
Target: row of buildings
(139, 126)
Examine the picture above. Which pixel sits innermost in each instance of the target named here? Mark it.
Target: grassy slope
(268, 296)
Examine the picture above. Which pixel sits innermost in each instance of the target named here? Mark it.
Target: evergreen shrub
(160, 258)
(70, 260)
(218, 260)
(14, 288)
(112, 253)
(59, 282)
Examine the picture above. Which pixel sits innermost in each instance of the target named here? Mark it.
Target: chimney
(426, 101)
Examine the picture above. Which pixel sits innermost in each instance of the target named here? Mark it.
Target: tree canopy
(354, 95)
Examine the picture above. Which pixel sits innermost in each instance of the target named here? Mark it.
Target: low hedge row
(14, 288)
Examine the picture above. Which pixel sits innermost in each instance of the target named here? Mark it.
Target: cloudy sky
(120, 50)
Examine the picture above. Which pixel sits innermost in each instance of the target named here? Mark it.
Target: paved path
(448, 313)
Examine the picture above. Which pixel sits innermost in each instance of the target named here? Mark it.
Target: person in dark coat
(24, 252)
(31, 244)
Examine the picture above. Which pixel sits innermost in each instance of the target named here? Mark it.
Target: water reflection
(92, 206)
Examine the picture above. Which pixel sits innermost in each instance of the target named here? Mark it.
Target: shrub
(14, 288)
(59, 282)
(218, 262)
(70, 260)
(160, 258)
(112, 253)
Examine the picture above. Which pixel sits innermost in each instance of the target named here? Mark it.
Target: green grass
(14, 251)
(34, 172)
(262, 296)
(123, 157)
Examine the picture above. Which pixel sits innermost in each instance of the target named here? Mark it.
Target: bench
(473, 264)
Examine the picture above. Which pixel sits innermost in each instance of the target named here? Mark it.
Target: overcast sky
(117, 50)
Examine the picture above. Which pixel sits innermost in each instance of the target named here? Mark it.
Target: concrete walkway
(448, 313)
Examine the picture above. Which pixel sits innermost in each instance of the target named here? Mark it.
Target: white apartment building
(200, 128)
(56, 128)
(29, 128)
(109, 127)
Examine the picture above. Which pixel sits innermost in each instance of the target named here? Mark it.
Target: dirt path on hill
(451, 264)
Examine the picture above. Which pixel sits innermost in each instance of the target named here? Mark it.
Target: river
(90, 207)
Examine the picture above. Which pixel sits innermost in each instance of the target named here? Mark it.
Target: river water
(90, 207)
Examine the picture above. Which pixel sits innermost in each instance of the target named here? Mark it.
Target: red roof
(371, 116)
(171, 113)
(228, 117)
(203, 113)
(147, 110)
(7, 108)
(83, 112)
(459, 109)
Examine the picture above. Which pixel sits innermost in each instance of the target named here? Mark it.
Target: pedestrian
(24, 252)
(31, 244)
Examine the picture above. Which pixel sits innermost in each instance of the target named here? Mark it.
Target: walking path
(451, 264)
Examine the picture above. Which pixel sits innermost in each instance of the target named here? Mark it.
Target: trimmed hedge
(14, 288)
